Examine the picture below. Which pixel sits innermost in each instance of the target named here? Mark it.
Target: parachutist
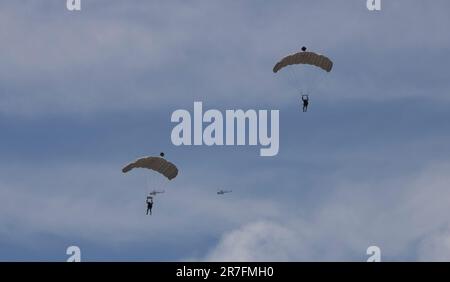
(305, 100)
(149, 205)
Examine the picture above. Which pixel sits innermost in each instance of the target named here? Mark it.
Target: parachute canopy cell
(308, 58)
(157, 164)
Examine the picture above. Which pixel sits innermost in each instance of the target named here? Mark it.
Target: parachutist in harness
(149, 205)
(305, 100)
(156, 164)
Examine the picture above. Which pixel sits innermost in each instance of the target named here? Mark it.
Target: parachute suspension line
(149, 184)
(293, 79)
(306, 81)
(309, 79)
(156, 183)
(291, 76)
(300, 79)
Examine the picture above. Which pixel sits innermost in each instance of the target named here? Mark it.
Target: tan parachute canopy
(308, 58)
(157, 164)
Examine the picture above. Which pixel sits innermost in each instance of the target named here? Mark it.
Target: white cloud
(393, 214)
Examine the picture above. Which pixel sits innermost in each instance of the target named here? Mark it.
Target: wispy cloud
(81, 94)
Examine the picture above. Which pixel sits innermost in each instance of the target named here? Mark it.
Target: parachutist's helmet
(161, 154)
(303, 48)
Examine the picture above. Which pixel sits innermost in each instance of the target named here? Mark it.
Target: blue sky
(83, 93)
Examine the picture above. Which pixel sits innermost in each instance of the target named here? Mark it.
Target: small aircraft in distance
(221, 192)
(154, 192)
